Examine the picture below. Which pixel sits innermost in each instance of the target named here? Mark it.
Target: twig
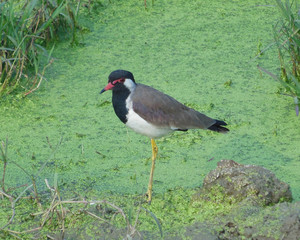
(51, 208)
(264, 6)
(41, 78)
(14, 235)
(35, 192)
(26, 231)
(63, 213)
(95, 216)
(12, 208)
(133, 228)
(20, 195)
(101, 154)
(6, 195)
(48, 186)
(20, 186)
(261, 52)
(269, 73)
(3, 149)
(27, 173)
(51, 156)
(50, 237)
(48, 142)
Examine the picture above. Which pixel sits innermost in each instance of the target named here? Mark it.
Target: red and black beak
(108, 87)
(111, 85)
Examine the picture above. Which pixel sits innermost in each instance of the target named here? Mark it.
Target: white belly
(139, 125)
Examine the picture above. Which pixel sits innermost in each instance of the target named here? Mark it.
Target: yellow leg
(154, 153)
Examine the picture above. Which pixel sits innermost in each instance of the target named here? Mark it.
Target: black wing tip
(218, 127)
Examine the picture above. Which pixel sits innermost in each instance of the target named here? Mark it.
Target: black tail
(217, 127)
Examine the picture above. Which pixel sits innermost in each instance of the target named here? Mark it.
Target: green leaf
(156, 220)
(57, 11)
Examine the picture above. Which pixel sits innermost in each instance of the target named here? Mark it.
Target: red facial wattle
(110, 85)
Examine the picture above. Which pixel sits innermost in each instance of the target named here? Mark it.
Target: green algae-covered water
(199, 52)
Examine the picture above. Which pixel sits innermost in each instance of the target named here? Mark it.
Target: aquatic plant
(287, 39)
(27, 28)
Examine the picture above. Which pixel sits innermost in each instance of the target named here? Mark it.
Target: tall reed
(27, 28)
(287, 39)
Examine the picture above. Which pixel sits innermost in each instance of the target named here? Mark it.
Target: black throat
(119, 96)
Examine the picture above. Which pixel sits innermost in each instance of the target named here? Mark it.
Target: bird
(152, 113)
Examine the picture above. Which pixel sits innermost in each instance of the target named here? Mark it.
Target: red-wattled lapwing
(152, 113)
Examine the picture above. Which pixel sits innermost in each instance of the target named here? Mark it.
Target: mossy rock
(238, 182)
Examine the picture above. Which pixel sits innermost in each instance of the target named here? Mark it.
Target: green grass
(28, 29)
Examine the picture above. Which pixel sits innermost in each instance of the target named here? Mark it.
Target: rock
(280, 221)
(249, 202)
(248, 182)
(290, 228)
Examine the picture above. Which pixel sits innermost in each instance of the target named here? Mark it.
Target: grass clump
(26, 212)
(27, 28)
(287, 40)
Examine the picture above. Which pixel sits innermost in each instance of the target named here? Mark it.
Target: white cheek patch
(129, 84)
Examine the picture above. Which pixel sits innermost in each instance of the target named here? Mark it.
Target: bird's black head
(116, 80)
(119, 74)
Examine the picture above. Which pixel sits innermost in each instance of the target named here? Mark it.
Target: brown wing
(163, 110)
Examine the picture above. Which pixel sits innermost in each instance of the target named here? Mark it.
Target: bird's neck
(119, 97)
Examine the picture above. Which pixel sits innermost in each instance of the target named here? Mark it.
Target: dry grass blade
(95, 216)
(3, 149)
(12, 208)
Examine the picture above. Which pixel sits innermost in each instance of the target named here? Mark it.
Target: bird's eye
(121, 80)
